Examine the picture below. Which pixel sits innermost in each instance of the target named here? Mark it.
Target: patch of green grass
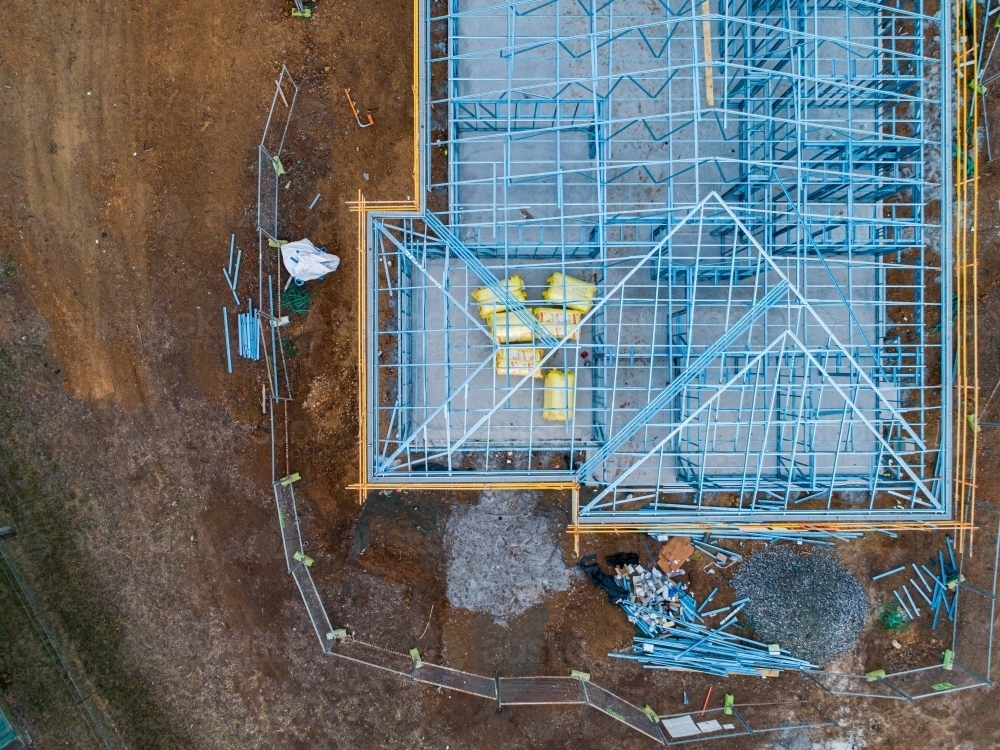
(62, 577)
(31, 679)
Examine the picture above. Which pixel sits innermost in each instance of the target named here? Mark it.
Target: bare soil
(138, 470)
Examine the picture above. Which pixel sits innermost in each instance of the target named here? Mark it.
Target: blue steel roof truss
(747, 183)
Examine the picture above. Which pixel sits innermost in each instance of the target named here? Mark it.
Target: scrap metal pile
(933, 587)
(655, 603)
(673, 628)
(690, 647)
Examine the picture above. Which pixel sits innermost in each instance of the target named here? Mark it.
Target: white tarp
(306, 262)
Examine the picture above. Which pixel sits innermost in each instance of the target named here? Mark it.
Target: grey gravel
(809, 604)
(502, 557)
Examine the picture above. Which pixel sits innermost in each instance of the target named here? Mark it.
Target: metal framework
(747, 183)
(269, 168)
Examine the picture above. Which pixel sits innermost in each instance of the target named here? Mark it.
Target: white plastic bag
(305, 262)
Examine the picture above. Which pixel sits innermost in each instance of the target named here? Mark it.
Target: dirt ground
(138, 470)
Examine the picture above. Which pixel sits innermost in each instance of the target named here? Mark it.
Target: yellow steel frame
(966, 265)
(966, 329)
(778, 528)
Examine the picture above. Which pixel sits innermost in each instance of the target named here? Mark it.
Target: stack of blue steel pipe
(796, 537)
(690, 647)
(249, 335)
(649, 621)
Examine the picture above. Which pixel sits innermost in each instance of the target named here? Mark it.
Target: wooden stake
(708, 695)
(428, 623)
(706, 34)
(576, 521)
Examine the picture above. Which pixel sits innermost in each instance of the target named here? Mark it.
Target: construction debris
(931, 587)
(693, 648)
(305, 262)
(654, 602)
(805, 608)
(888, 573)
(674, 554)
(721, 558)
(665, 614)
(810, 604)
(357, 114)
(297, 299)
(620, 559)
(608, 583)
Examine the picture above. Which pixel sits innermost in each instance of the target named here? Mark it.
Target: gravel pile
(502, 556)
(809, 604)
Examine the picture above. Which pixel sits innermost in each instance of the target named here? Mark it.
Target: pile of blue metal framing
(690, 647)
(933, 589)
(249, 334)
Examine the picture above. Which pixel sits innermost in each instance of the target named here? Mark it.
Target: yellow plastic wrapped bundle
(559, 322)
(576, 294)
(488, 302)
(559, 397)
(519, 360)
(508, 329)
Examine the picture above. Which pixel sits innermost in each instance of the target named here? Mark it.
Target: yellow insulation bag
(519, 360)
(576, 294)
(559, 396)
(488, 302)
(508, 329)
(559, 322)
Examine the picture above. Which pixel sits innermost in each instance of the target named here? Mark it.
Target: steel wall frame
(893, 187)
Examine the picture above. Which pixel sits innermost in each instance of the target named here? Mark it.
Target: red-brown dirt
(129, 134)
